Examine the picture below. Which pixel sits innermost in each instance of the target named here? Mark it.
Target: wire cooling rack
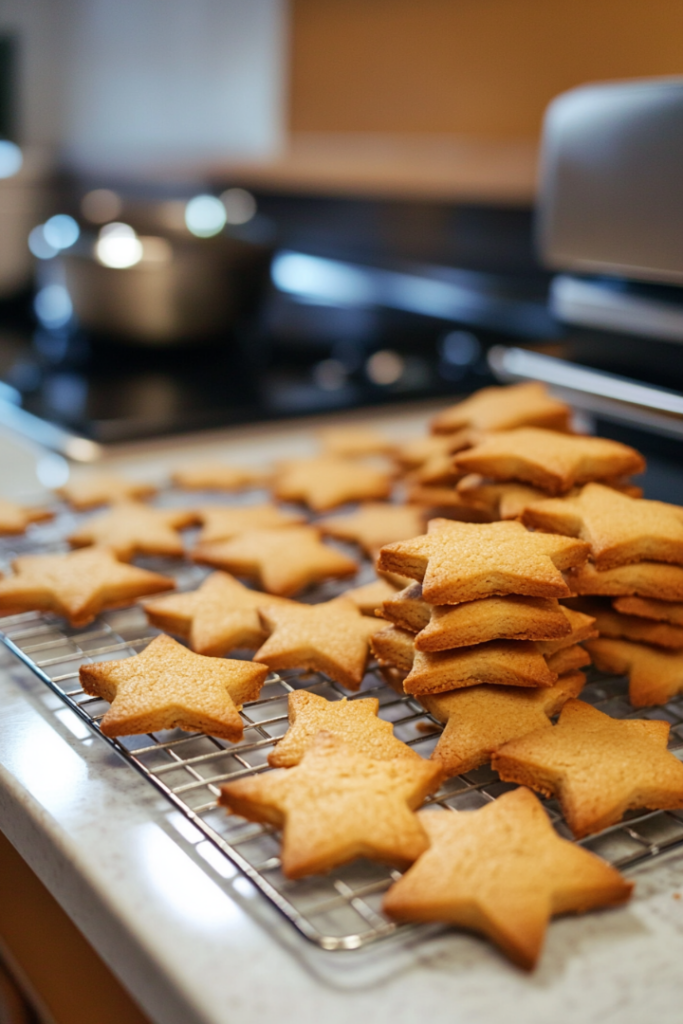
(341, 910)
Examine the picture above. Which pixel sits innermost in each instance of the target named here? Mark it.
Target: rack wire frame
(342, 910)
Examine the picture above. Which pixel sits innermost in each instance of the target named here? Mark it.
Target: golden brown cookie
(332, 637)
(506, 500)
(168, 687)
(437, 471)
(370, 596)
(218, 617)
(650, 608)
(619, 529)
(354, 442)
(598, 767)
(480, 719)
(504, 409)
(493, 618)
(354, 722)
(78, 585)
(655, 675)
(407, 609)
(503, 871)
(458, 562)
(581, 627)
(325, 482)
(217, 476)
(339, 804)
(375, 524)
(500, 662)
(103, 489)
(549, 460)
(631, 627)
(16, 518)
(130, 528)
(567, 659)
(646, 579)
(415, 453)
(221, 523)
(447, 501)
(283, 560)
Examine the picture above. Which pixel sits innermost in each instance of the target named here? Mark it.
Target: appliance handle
(604, 394)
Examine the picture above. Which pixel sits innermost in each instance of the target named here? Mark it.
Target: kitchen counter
(192, 945)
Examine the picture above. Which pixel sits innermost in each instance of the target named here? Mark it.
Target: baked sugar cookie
(598, 767)
(221, 523)
(332, 637)
(217, 476)
(370, 596)
(339, 804)
(481, 719)
(78, 585)
(284, 561)
(644, 579)
(619, 529)
(375, 524)
(168, 687)
(554, 462)
(502, 871)
(355, 722)
(650, 608)
(655, 675)
(325, 482)
(16, 518)
(457, 562)
(103, 489)
(493, 618)
(130, 528)
(505, 408)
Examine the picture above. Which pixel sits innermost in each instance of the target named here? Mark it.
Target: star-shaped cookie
(354, 442)
(15, 518)
(354, 722)
(645, 579)
(169, 687)
(103, 489)
(415, 453)
(481, 719)
(283, 560)
(339, 804)
(554, 462)
(218, 617)
(619, 529)
(325, 482)
(407, 608)
(651, 608)
(493, 618)
(221, 523)
(78, 585)
(332, 637)
(504, 409)
(655, 676)
(502, 871)
(502, 662)
(458, 562)
(598, 767)
(130, 528)
(375, 524)
(446, 497)
(217, 476)
(370, 596)
(613, 624)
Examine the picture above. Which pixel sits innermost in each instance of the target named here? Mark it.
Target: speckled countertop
(192, 945)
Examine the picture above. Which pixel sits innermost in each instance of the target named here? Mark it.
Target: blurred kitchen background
(221, 211)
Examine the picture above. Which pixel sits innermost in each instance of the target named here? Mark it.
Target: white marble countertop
(194, 946)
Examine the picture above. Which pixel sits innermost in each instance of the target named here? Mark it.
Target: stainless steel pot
(181, 290)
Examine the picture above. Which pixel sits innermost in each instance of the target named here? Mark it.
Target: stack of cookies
(511, 469)
(484, 610)
(434, 478)
(632, 585)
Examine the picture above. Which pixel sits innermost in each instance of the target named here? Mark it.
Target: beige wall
(470, 67)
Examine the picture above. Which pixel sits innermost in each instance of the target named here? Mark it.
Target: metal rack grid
(341, 910)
